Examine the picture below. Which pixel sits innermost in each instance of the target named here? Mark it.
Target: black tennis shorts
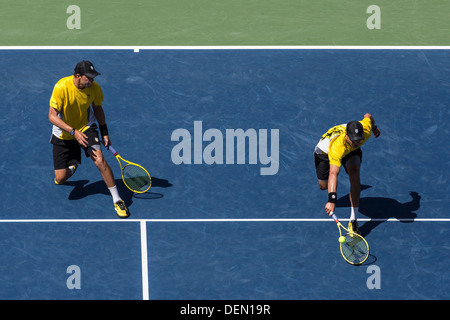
(322, 163)
(68, 152)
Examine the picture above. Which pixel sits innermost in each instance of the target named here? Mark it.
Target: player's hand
(81, 138)
(106, 141)
(329, 207)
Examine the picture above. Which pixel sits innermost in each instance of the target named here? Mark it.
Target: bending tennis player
(75, 107)
(341, 145)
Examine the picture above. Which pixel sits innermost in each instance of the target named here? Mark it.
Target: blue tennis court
(223, 219)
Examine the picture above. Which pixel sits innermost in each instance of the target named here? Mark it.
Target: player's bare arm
(332, 187)
(375, 130)
(101, 119)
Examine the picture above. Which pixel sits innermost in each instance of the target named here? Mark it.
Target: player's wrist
(332, 197)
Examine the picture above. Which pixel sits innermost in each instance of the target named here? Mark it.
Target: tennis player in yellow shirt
(341, 146)
(75, 109)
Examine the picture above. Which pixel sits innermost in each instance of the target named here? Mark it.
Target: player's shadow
(380, 209)
(82, 189)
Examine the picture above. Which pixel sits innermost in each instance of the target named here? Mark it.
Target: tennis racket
(135, 177)
(355, 249)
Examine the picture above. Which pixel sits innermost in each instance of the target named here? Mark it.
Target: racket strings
(355, 248)
(136, 178)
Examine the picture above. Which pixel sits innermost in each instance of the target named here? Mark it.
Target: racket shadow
(371, 259)
(149, 195)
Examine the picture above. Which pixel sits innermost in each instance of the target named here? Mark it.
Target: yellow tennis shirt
(74, 105)
(333, 142)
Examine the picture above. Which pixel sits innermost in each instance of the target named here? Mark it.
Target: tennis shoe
(121, 209)
(353, 227)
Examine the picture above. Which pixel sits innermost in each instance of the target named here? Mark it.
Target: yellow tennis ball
(341, 239)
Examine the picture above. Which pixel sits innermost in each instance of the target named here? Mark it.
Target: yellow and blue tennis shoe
(353, 227)
(121, 209)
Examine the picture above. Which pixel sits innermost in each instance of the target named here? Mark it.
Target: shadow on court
(380, 209)
(82, 189)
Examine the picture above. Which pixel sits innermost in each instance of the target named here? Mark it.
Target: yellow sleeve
(57, 98)
(337, 150)
(335, 161)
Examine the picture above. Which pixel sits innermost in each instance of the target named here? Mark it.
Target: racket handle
(112, 149)
(334, 217)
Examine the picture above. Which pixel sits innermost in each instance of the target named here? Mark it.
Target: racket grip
(112, 149)
(334, 217)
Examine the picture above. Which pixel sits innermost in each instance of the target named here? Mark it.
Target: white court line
(138, 48)
(145, 289)
(216, 220)
(143, 231)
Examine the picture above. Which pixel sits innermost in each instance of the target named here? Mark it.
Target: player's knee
(98, 159)
(60, 179)
(100, 162)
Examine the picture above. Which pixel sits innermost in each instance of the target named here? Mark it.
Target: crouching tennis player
(75, 128)
(341, 145)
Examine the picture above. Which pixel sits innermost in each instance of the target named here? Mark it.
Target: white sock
(115, 194)
(353, 212)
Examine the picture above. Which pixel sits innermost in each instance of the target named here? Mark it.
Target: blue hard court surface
(293, 255)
